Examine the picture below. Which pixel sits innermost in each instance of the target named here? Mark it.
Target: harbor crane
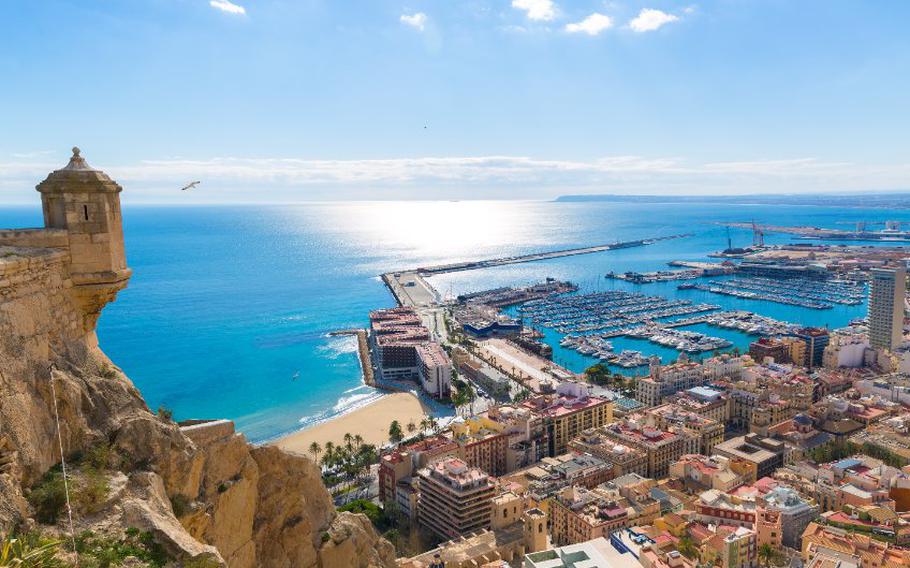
(758, 236)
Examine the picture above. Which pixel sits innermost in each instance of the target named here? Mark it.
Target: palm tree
(433, 423)
(395, 432)
(358, 441)
(315, 450)
(766, 553)
(329, 455)
(348, 440)
(687, 547)
(424, 424)
(411, 427)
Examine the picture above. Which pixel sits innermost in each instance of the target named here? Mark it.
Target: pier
(410, 288)
(363, 350)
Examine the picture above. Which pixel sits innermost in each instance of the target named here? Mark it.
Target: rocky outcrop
(201, 490)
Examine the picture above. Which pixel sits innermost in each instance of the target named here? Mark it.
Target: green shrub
(181, 505)
(165, 413)
(97, 551)
(48, 497)
(107, 372)
(91, 493)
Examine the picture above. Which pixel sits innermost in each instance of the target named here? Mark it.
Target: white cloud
(649, 20)
(417, 20)
(233, 179)
(538, 10)
(592, 25)
(227, 6)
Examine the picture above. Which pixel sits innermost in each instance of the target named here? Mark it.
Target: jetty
(410, 287)
(363, 350)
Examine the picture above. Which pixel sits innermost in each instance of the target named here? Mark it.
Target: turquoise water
(227, 303)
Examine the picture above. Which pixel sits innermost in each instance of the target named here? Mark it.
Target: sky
(296, 100)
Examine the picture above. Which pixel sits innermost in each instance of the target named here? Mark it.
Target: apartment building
(567, 413)
(661, 446)
(455, 499)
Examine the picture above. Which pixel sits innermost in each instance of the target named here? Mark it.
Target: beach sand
(371, 422)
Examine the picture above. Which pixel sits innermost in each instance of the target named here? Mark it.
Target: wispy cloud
(32, 154)
(277, 179)
(228, 7)
(417, 20)
(537, 10)
(592, 25)
(649, 20)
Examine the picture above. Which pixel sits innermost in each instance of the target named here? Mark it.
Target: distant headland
(897, 200)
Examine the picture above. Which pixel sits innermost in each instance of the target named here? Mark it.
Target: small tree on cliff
(395, 434)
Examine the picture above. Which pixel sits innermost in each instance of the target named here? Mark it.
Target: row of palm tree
(351, 459)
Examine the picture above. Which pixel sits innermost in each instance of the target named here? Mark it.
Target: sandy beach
(371, 422)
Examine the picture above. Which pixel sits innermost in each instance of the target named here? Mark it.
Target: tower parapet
(85, 202)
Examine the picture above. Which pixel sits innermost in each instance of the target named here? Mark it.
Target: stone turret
(535, 530)
(85, 202)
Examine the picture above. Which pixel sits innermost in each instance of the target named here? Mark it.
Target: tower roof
(78, 176)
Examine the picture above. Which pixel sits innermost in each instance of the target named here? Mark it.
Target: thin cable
(66, 487)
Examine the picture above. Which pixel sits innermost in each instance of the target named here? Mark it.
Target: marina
(814, 294)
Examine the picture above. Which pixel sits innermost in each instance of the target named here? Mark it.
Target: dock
(363, 350)
(410, 287)
(534, 257)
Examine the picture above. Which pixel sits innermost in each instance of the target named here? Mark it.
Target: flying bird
(190, 185)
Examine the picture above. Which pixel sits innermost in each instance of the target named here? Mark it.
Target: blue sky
(286, 100)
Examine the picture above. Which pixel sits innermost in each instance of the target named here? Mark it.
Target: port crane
(758, 235)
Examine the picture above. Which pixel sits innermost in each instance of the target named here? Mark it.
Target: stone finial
(77, 162)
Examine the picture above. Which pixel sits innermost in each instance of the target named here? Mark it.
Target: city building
(661, 445)
(596, 553)
(394, 336)
(668, 379)
(567, 413)
(708, 432)
(623, 458)
(795, 513)
(549, 476)
(704, 401)
(766, 454)
(401, 463)
(434, 369)
(701, 472)
(872, 553)
(815, 340)
(845, 349)
(455, 499)
(578, 515)
(886, 307)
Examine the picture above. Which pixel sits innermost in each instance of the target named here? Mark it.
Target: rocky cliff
(201, 491)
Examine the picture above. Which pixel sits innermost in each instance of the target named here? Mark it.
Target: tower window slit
(85, 212)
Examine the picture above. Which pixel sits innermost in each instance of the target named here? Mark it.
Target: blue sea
(227, 304)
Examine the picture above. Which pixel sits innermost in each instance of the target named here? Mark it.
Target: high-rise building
(886, 307)
(455, 499)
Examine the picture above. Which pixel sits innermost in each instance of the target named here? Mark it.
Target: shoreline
(370, 421)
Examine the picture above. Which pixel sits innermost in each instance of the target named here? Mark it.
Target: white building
(845, 350)
(434, 369)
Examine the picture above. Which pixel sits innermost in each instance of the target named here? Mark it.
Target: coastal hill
(196, 492)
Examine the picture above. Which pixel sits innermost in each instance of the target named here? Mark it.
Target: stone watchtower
(85, 202)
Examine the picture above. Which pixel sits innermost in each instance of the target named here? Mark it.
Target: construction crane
(758, 236)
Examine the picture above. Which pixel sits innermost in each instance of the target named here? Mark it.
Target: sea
(229, 309)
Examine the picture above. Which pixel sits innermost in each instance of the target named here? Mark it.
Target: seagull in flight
(190, 185)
